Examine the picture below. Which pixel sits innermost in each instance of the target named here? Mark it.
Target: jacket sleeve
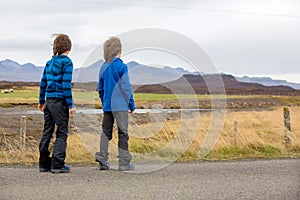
(126, 87)
(67, 82)
(43, 86)
(100, 85)
(131, 103)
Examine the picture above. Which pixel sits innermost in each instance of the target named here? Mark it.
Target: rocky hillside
(196, 83)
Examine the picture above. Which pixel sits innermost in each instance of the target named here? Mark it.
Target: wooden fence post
(287, 128)
(235, 124)
(23, 133)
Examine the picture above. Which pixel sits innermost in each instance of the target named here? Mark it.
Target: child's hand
(41, 107)
(72, 111)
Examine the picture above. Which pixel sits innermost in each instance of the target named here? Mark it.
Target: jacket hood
(56, 64)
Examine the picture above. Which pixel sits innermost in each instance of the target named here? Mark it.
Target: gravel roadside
(258, 179)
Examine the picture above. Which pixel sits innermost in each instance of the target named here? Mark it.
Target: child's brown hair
(62, 43)
(111, 48)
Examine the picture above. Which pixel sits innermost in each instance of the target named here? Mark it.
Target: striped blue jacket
(56, 80)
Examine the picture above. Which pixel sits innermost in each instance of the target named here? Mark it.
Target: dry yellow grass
(264, 127)
(76, 152)
(259, 134)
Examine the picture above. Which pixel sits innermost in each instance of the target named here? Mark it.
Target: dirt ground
(10, 128)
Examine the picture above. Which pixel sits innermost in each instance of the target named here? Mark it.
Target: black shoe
(45, 166)
(104, 165)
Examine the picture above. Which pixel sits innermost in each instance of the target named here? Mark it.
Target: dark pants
(56, 112)
(107, 128)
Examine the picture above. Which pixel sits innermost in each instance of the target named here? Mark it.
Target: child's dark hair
(61, 44)
(111, 48)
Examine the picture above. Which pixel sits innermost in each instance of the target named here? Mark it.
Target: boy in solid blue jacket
(56, 87)
(116, 95)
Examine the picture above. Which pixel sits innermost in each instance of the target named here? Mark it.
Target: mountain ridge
(139, 73)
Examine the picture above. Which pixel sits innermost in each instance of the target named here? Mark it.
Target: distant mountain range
(139, 74)
(267, 81)
(13, 71)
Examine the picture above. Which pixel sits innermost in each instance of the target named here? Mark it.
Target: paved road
(263, 179)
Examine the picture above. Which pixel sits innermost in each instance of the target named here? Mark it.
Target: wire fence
(275, 127)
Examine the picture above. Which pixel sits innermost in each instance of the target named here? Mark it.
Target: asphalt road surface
(259, 179)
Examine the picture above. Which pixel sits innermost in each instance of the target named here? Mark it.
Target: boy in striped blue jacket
(56, 87)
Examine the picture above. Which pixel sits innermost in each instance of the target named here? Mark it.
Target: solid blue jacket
(56, 80)
(114, 87)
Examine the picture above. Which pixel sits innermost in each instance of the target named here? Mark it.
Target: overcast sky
(242, 37)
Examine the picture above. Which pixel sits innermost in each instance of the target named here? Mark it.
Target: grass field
(32, 93)
(29, 96)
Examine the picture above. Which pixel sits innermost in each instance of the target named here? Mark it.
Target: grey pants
(121, 118)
